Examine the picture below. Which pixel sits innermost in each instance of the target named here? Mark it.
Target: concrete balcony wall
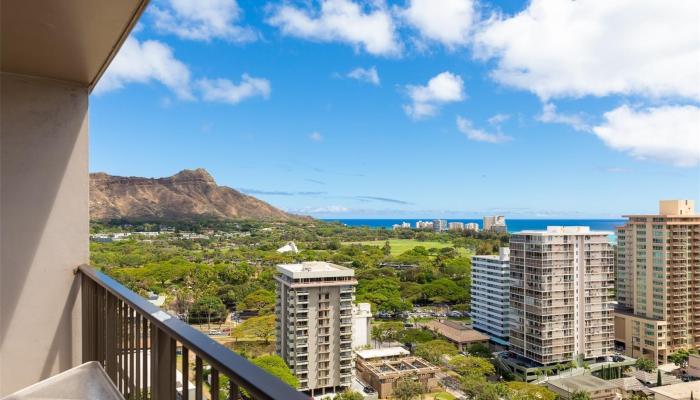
(44, 219)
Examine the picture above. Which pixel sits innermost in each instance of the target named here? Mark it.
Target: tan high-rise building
(495, 223)
(314, 323)
(561, 296)
(658, 281)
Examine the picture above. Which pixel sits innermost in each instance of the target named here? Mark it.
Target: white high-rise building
(472, 226)
(561, 294)
(491, 295)
(439, 225)
(455, 226)
(361, 320)
(314, 323)
(424, 225)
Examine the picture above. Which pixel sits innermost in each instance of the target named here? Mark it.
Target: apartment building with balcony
(658, 281)
(61, 320)
(491, 295)
(561, 294)
(314, 324)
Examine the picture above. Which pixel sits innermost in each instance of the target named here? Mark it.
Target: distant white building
(424, 225)
(361, 319)
(403, 225)
(439, 225)
(472, 227)
(147, 234)
(495, 223)
(455, 226)
(101, 237)
(290, 247)
(491, 295)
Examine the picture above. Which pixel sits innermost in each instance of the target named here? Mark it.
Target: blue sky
(413, 108)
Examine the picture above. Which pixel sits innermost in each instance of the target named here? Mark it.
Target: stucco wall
(44, 216)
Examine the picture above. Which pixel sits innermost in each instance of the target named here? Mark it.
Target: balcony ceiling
(69, 40)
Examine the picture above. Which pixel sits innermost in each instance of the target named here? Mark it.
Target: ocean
(514, 225)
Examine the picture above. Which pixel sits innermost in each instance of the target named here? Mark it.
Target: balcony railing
(136, 343)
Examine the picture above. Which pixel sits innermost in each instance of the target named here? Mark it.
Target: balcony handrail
(259, 383)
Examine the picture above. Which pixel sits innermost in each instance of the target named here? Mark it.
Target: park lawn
(399, 246)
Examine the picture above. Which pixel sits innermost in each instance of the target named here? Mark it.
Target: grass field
(399, 246)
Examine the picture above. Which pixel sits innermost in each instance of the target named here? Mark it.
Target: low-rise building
(457, 333)
(383, 368)
(597, 389)
(694, 366)
(679, 391)
(631, 386)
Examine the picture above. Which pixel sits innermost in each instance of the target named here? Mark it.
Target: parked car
(215, 332)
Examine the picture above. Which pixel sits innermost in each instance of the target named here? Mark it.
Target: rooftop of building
(627, 312)
(399, 366)
(456, 331)
(503, 255)
(672, 208)
(630, 384)
(679, 391)
(565, 230)
(382, 353)
(314, 269)
(362, 310)
(586, 383)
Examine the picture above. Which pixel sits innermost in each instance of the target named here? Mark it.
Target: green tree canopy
(262, 327)
(645, 364)
(261, 300)
(276, 366)
(480, 350)
(528, 391)
(408, 389)
(468, 365)
(349, 395)
(435, 349)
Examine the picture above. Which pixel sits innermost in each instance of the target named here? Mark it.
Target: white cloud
(321, 210)
(559, 48)
(498, 119)
(466, 127)
(446, 21)
(550, 115)
(340, 21)
(201, 20)
(365, 74)
(668, 134)
(223, 90)
(144, 62)
(316, 137)
(442, 88)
